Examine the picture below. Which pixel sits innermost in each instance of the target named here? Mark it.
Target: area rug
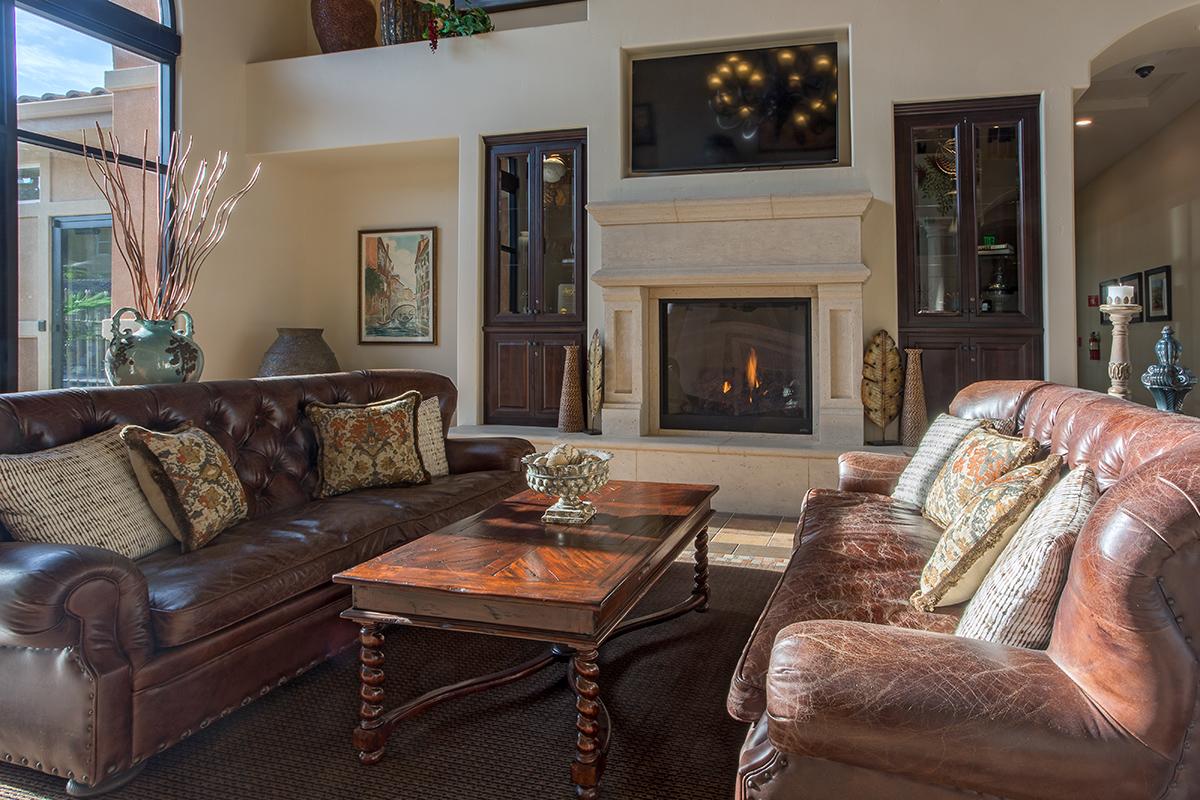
(664, 687)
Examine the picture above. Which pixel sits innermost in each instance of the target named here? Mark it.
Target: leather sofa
(105, 662)
(852, 694)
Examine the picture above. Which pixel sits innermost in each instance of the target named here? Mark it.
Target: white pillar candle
(1120, 295)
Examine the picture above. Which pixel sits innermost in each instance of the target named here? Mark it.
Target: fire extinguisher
(1094, 347)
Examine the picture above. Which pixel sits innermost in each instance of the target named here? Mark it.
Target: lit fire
(726, 387)
(752, 370)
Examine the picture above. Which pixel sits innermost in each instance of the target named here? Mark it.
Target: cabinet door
(549, 360)
(508, 375)
(559, 256)
(945, 367)
(1007, 357)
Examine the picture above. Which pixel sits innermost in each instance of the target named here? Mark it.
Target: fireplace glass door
(736, 365)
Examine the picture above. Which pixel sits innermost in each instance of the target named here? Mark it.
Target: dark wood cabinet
(536, 272)
(968, 233)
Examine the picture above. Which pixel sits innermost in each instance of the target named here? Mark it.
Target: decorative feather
(595, 377)
(882, 380)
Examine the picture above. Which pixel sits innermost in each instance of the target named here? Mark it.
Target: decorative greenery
(450, 21)
(937, 186)
(85, 301)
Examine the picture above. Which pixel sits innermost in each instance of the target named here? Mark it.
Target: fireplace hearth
(736, 365)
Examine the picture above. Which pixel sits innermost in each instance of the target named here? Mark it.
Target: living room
(806, 381)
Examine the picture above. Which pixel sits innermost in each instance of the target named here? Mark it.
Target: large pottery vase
(570, 405)
(152, 351)
(915, 417)
(344, 24)
(298, 351)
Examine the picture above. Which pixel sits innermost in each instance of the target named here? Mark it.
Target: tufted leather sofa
(851, 694)
(105, 662)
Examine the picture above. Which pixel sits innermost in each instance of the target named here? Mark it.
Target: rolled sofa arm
(56, 596)
(875, 473)
(480, 455)
(947, 710)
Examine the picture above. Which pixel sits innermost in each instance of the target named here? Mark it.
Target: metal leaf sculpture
(881, 380)
(595, 377)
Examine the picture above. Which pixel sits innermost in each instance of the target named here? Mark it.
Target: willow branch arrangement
(190, 222)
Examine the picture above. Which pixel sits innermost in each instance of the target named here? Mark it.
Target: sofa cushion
(364, 446)
(937, 445)
(981, 458)
(857, 558)
(262, 562)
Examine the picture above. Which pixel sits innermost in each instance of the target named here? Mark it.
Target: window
(72, 67)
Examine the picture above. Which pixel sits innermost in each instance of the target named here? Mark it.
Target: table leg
(700, 586)
(591, 723)
(370, 739)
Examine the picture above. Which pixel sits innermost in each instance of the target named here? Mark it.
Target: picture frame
(1158, 294)
(1104, 297)
(397, 286)
(1139, 294)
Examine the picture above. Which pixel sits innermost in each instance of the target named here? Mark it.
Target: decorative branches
(190, 221)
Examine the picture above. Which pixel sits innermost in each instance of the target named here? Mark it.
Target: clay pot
(344, 24)
(298, 351)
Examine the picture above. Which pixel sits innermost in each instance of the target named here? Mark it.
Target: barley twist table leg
(591, 723)
(368, 738)
(700, 587)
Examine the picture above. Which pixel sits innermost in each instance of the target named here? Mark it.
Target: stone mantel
(774, 275)
(734, 209)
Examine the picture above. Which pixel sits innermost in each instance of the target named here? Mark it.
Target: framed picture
(1158, 294)
(1139, 293)
(397, 286)
(1104, 297)
(506, 5)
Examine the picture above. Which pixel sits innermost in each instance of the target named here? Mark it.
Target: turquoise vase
(152, 351)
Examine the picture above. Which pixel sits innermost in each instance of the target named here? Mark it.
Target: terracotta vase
(570, 406)
(344, 24)
(915, 417)
(298, 351)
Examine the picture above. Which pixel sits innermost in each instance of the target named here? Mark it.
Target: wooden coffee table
(503, 572)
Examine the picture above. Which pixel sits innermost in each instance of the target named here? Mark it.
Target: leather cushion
(262, 562)
(858, 558)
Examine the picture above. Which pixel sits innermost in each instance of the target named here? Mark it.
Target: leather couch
(105, 661)
(852, 694)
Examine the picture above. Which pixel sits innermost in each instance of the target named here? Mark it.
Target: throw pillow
(368, 445)
(81, 493)
(1016, 602)
(980, 458)
(431, 442)
(189, 480)
(973, 541)
(939, 442)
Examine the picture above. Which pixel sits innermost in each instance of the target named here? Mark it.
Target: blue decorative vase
(1169, 381)
(152, 351)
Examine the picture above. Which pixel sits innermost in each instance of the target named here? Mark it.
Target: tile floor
(749, 540)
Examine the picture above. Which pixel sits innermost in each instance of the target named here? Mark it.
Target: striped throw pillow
(942, 438)
(82, 493)
(1016, 603)
(431, 442)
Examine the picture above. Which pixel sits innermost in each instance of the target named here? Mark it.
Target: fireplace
(736, 365)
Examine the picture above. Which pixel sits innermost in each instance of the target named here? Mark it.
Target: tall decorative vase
(298, 351)
(152, 351)
(343, 24)
(1169, 381)
(570, 406)
(915, 417)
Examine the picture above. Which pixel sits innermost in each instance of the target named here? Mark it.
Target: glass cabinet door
(559, 217)
(511, 240)
(998, 218)
(935, 233)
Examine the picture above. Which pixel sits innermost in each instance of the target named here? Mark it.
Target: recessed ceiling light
(1083, 122)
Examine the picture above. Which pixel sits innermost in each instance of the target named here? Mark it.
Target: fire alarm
(1093, 301)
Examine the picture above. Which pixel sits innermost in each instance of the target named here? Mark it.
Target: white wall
(1143, 212)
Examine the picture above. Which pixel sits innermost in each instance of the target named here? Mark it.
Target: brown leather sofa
(852, 694)
(105, 662)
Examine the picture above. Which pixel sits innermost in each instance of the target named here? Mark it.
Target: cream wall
(1143, 212)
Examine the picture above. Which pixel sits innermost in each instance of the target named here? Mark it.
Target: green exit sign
(989, 240)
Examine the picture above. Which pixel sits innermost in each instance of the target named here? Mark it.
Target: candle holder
(1118, 361)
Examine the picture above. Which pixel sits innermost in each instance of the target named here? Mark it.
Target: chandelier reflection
(781, 91)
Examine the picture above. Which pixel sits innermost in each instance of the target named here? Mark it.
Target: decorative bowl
(568, 482)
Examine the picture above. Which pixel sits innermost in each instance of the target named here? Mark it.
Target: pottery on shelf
(914, 419)
(343, 24)
(570, 404)
(152, 351)
(298, 351)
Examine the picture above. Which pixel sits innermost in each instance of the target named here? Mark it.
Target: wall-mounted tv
(750, 108)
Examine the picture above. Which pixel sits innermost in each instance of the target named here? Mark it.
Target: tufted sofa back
(1128, 621)
(260, 423)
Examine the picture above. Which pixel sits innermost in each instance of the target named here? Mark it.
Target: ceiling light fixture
(1083, 122)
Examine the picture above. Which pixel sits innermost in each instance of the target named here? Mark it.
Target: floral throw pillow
(976, 538)
(188, 480)
(362, 446)
(980, 458)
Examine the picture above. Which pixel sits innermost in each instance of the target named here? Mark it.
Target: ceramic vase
(915, 417)
(298, 351)
(343, 24)
(570, 404)
(152, 351)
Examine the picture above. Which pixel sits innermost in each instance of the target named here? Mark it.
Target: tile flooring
(749, 540)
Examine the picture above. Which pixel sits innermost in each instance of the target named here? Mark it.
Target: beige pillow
(189, 481)
(430, 440)
(974, 540)
(362, 446)
(980, 458)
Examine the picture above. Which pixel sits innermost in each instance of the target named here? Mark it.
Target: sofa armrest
(480, 455)
(57, 596)
(875, 473)
(948, 710)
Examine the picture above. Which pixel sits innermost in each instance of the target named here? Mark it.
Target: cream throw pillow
(980, 458)
(937, 445)
(431, 442)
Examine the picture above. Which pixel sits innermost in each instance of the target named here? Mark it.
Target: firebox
(736, 365)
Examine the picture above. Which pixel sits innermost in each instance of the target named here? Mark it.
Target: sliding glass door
(82, 289)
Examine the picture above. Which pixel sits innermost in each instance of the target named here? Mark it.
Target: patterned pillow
(980, 458)
(189, 480)
(1015, 605)
(368, 445)
(939, 442)
(971, 544)
(82, 493)
(431, 442)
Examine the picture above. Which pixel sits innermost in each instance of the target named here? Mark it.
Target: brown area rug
(664, 687)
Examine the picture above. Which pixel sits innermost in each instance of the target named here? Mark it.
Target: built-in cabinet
(968, 223)
(536, 281)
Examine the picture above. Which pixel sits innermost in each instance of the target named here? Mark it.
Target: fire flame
(726, 387)
(752, 380)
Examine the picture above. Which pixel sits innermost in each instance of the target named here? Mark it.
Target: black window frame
(101, 19)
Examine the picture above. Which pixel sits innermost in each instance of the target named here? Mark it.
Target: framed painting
(1104, 297)
(1158, 294)
(397, 286)
(1139, 294)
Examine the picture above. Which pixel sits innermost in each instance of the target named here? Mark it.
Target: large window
(68, 67)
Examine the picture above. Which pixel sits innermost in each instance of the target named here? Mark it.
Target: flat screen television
(749, 108)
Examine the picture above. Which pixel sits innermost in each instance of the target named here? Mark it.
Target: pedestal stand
(1118, 361)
